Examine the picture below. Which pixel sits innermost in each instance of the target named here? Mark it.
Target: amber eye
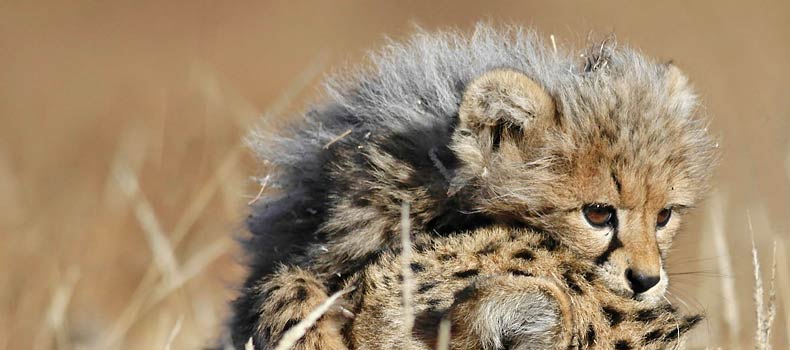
(599, 215)
(663, 217)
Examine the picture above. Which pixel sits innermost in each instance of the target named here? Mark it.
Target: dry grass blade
(192, 268)
(264, 183)
(407, 288)
(207, 191)
(297, 332)
(443, 339)
(338, 138)
(174, 333)
(162, 250)
(765, 313)
(56, 313)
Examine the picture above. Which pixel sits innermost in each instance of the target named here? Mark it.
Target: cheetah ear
(501, 99)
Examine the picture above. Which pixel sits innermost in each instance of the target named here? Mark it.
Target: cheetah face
(607, 166)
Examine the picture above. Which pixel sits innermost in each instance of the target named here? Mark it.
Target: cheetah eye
(599, 215)
(663, 217)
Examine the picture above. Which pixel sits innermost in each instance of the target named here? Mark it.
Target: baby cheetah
(603, 154)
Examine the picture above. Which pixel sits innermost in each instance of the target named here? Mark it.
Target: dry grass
(123, 178)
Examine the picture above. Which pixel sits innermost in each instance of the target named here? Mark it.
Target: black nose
(640, 283)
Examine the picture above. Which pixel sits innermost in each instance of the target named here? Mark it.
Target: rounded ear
(503, 98)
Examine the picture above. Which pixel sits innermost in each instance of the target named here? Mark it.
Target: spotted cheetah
(603, 153)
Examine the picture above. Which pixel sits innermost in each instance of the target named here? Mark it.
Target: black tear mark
(571, 282)
(426, 286)
(417, 267)
(524, 254)
(517, 272)
(614, 244)
(622, 345)
(466, 273)
(613, 315)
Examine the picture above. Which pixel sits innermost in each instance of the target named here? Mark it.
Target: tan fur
(511, 288)
(294, 293)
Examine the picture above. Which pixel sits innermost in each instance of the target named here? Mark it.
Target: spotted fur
(553, 300)
(492, 128)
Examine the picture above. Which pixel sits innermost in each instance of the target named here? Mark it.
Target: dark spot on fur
(446, 257)
(653, 336)
(488, 249)
(549, 243)
(496, 135)
(613, 315)
(590, 337)
(571, 282)
(646, 315)
(301, 294)
(517, 272)
(426, 286)
(289, 324)
(524, 254)
(466, 273)
(426, 326)
(589, 276)
(688, 323)
(433, 302)
(464, 294)
(417, 267)
(622, 345)
(299, 280)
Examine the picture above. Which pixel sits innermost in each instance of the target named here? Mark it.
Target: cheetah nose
(640, 283)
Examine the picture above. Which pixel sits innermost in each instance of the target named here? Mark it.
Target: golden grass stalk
(443, 341)
(407, 287)
(56, 313)
(765, 313)
(163, 255)
(174, 333)
(298, 331)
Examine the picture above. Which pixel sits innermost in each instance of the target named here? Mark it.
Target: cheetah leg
(290, 295)
(513, 312)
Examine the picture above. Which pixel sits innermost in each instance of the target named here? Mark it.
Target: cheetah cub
(603, 153)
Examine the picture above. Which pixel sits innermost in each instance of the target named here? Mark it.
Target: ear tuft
(504, 97)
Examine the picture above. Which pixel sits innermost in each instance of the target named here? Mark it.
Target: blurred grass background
(123, 177)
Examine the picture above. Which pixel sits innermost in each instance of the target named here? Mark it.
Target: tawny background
(95, 95)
